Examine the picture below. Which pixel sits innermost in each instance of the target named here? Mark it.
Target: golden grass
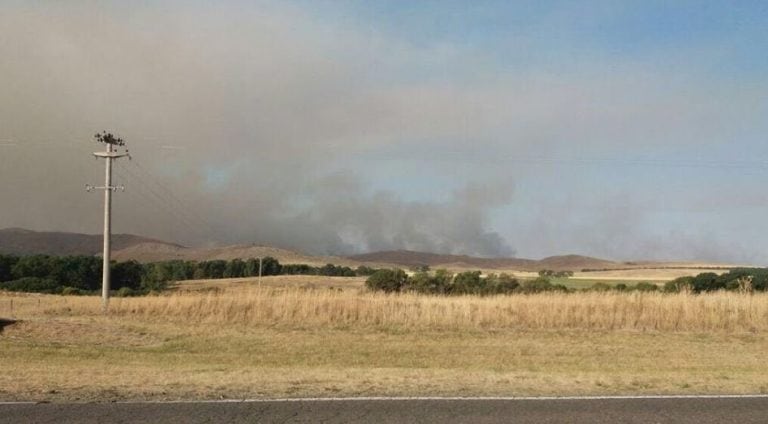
(268, 306)
(651, 274)
(273, 342)
(295, 281)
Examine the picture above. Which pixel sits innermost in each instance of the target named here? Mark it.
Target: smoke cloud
(261, 123)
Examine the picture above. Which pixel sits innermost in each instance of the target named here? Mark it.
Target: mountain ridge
(556, 263)
(22, 241)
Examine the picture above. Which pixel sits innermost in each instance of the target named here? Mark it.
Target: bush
(439, 283)
(387, 280)
(295, 269)
(646, 287)
(127, 274)
(501, 284)
(7, 263)
(421, 282)
(468, 283)
(125, 292)
(557, 274)
(708, 281)
(602, 287)
(32, 285)
(682, 284)
(72, 291)
(364, 271)
(330, 270)
(539, 285)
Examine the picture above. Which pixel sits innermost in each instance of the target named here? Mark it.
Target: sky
(623, 130)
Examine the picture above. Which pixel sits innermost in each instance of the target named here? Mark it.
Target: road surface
(683, 410)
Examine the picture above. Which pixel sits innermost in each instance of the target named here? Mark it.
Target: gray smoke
(260, 123)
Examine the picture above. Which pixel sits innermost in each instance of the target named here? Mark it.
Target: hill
(153, 252)
(19, 241)
(132, 247)
(410, 258)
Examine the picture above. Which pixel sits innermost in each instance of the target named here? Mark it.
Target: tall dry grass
(728, 312)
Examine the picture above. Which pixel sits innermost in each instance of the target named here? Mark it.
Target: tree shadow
(4, 322)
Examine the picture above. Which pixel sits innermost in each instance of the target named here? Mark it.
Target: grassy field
(251, 342)
(295, 281)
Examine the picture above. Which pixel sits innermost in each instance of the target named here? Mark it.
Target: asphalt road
(593, 411)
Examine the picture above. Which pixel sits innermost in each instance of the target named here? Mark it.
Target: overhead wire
(150, 195)
(188, 211)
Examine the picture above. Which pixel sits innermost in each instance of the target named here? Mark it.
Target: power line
(168, 192)
(160, 202)
(146, 202)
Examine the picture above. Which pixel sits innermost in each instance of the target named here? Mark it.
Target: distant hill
(410, 258)
(153, 252)
(19, 241)
(131, 247)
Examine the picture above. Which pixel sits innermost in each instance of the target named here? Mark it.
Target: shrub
(678, 285)
(420, 268)
(387, 280)
(646, 287)
(331, 270)
(32, 284)
(125, 292)
(602, 287)
(6, 265)
(421, 282)
(468, 283)
(708, 281)
(441, 281)
(234, 269)
(364, 271)
(127, 274)
(72, 291)
(151, 285)
(295, 269)
(539, 285)
(500, 284)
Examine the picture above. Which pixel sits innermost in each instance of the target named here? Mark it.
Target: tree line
(443, 282)
(82, 274)
(465, 283)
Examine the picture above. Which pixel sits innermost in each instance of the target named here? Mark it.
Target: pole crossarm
(111, 155)
(90, 188)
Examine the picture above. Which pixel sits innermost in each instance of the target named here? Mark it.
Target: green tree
(234, 269)
(500, 284)
(364, 271)
(38, 266)
(468, 283)
(271, 266)
(387, 280)
(6, 266)
(127, 275)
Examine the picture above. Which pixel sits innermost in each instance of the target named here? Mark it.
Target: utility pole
(111, 143)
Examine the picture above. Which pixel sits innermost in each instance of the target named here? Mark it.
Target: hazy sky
(626, 130)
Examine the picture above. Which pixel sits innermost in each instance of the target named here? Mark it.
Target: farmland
(291, 338)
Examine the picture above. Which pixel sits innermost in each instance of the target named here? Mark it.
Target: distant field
(278, 341)
(295, 281)
(633, 276)
(357, 283)
(645, 274)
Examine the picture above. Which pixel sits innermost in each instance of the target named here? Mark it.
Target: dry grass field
(275, 341)
(295, 281)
